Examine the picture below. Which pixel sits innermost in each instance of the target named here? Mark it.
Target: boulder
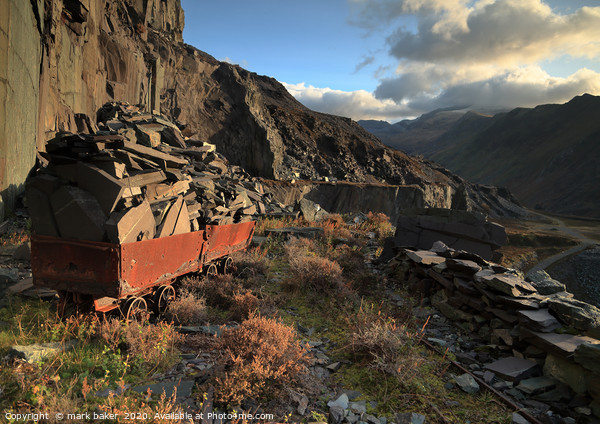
(577, 314)
(39, 351)
(544, 284)
(467, 383)
(568, 372)
(588, 356)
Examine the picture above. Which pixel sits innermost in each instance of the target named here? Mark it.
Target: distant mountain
(548, 156)
(411, 135)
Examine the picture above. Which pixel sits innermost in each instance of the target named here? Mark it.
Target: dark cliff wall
(20, 54)
(61, 57)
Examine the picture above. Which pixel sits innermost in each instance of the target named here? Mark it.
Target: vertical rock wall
(20, 52)
(63, 57)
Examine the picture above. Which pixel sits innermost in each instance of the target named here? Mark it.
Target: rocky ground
(375, 351)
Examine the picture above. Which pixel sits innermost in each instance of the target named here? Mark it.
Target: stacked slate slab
(136, 177)
(535, 327)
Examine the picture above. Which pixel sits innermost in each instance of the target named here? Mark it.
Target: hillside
(546, 156)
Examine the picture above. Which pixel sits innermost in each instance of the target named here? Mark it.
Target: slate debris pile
(533, 325)
(135, 177)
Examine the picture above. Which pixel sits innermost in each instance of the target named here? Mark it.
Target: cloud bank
(484, 53)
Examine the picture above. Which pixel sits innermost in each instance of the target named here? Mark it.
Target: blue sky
(393, 59)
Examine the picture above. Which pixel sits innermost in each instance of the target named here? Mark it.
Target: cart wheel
(211, 271)
(136, 309)
(162, 297)
(226, 265)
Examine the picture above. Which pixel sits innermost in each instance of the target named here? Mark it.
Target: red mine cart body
(108, 273)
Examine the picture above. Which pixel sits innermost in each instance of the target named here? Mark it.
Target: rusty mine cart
(128, 276)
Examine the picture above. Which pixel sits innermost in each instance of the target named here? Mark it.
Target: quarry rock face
(93, 52)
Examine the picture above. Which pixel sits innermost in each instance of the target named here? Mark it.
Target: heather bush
(262, 356)
(310, 271)
(187, 309)
(244, 304)
(218, 292)
(250, 263)
(378, 223)
(384, 342)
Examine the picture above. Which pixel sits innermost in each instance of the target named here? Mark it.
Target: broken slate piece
(106, 188)
(155, 155)
(563, 345)
(463, 265)
(132, 225)
(504, 283)
(176, 221)
(78, 214)
(37, 352)
(513, 369)
(535, 385)
(424, 257)
(577, 314)
(540, 320)
(410, 418)
(341, 401)
(148, 135)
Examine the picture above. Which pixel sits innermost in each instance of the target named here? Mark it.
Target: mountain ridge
(544, 155)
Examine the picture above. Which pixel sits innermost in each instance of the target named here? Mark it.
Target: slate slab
(306, 232)
(78, 214)
(8, 276)
(132, 225)
(513, 368)
(463, 265)
(563, 345)
(536, 385)
(106, 189)
(424, 257)
(504, 283)
(341, 402)
(540, 320)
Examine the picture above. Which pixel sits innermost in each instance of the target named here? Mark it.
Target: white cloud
(482, 53)
(521, 86)
(525, 87)
(505, 32)
(357, 105)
